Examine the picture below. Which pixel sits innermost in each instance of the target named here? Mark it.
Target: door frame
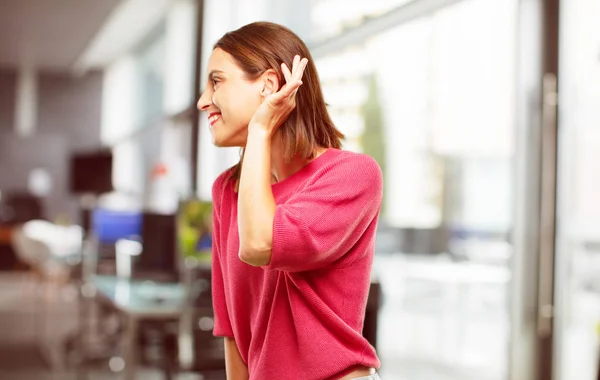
(532, 289)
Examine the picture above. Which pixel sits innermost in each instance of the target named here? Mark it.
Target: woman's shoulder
(353, 164)
(222, 184)
(356, 176)
(223, 178)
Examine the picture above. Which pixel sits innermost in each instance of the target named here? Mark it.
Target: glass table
(138, 300)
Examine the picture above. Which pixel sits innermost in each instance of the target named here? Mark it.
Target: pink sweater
(301, 316)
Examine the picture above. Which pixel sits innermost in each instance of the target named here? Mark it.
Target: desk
(8, 259)
(139, 300)
(6, 234)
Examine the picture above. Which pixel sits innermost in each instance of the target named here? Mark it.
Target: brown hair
(261, 46)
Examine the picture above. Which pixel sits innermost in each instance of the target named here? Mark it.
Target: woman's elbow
(254, 254)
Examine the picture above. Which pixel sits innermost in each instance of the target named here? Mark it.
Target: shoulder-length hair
(261, 46)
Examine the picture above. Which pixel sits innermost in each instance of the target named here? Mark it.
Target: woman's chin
(223, 138)
(218, 141)
(226, 143)
(220, 144)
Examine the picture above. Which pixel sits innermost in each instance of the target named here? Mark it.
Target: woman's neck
(280, 168)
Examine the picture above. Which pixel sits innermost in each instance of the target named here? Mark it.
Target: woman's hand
(276, 107)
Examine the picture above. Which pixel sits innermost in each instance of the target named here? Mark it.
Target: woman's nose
(205, 101)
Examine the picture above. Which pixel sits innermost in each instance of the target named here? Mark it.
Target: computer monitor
(21, 207)
(194, 239)
(91, 173)
(159, 257)
(194, 229)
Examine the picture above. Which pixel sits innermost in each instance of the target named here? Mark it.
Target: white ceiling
(49, 34)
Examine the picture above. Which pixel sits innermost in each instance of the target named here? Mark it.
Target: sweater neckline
(308, 168)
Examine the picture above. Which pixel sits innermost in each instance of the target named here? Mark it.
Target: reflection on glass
(578, 236)
(331, 17)
(432, 102)
(151, 66)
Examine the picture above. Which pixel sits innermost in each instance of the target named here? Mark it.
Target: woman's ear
(270, 82)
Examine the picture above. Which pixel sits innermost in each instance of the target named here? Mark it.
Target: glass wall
(146, 92)
(578, 245)
(433, 90)
(331, 17)
(433, 101)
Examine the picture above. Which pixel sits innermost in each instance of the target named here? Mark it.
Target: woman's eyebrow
(210, 74)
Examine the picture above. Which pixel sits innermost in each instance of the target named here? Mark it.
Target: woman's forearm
(235, 367)
(256, 205)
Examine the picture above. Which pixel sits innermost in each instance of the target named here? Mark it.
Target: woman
(294, 221)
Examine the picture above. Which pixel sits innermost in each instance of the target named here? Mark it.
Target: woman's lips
(213, 118)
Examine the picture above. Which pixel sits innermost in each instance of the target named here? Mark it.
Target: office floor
(404, 328)
(435, 325)
(20, 358)
(428, 330)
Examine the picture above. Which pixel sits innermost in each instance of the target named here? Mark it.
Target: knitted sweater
(301, 316)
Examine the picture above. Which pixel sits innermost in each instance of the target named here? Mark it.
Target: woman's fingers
(299, 68)
(286, 73)
(295, 66)
(287, 92)
(293, 79)
(299, 72)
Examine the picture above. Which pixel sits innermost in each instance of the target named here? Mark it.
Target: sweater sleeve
(222, 324)
(323, 221)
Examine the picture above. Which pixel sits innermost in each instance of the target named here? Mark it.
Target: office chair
(372, 314)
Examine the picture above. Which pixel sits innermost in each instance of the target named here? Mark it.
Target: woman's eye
(214, 82)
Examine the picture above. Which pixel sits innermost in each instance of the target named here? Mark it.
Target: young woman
(294, 221)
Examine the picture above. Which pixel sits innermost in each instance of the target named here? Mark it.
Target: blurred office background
(483, 115)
